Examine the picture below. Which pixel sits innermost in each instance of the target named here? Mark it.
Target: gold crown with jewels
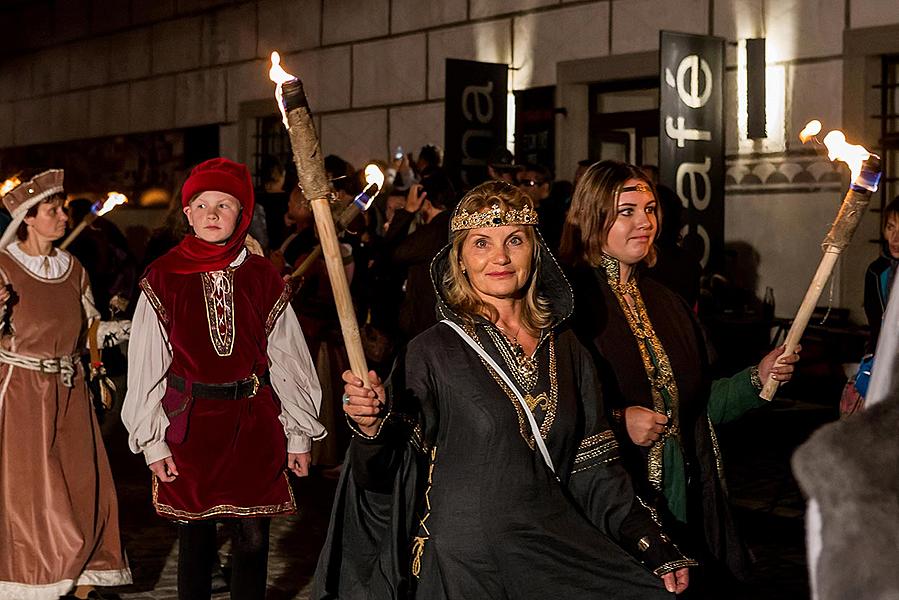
(494, 217)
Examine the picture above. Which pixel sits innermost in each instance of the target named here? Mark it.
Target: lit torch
(9, 185)
(98, 209)
(865, 169)
(307, 156)
(374, 180)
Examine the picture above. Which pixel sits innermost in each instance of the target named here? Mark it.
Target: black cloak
(450, 499)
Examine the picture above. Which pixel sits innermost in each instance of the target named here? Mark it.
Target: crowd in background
(387, 254)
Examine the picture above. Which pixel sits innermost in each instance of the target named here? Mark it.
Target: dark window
(624, 121)
(270, 139)
(889, 128)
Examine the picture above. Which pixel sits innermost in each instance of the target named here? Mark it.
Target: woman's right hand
(164, 469)
(364, 405)
(644, 426)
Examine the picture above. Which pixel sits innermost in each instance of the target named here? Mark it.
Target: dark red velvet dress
(230, 454)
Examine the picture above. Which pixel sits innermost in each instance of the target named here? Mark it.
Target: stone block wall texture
(357, 55)
(374, 69)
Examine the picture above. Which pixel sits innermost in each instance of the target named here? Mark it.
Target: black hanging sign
(474, 117)
(691, 141)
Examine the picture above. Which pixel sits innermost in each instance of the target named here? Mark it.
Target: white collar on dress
(53, 266)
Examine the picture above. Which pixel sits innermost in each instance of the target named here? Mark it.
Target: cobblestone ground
(768, 507)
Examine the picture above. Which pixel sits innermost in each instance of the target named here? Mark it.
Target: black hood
(551, 284)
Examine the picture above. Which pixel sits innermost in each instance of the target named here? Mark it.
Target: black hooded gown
(450, 499)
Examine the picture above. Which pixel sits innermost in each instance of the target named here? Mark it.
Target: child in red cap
(222, 392)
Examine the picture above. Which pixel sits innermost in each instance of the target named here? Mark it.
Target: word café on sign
(691, 149)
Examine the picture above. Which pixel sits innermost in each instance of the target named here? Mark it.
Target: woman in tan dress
(59, 529)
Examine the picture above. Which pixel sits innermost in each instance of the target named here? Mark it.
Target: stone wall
(76, 69)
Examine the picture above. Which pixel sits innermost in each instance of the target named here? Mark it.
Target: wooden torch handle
(340, 288)
(87, 220)
(825, 268)
(346, 217)
(307, 156)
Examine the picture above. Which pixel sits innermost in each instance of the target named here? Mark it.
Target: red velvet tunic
(230, 454)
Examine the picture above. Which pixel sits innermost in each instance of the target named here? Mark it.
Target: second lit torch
(99, 209)
(865, 169)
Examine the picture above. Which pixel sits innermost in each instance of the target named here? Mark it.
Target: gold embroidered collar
(612, 268)
(654, 358)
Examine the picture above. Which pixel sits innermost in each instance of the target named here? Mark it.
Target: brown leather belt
(245, 388)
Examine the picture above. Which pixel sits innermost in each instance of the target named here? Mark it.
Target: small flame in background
(279, 76)
(113, 199)
(838, 148)
(374, 175)
(9, 185)
(811, 129)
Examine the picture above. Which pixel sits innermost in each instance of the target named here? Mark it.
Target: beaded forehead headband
(494, 217)
(640, 187)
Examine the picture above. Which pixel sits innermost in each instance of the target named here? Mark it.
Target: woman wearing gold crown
(485, 469)
(58, 513)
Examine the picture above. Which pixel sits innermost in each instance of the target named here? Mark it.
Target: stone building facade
(374, 70)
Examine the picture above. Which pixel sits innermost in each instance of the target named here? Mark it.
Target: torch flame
(851, 154)
(374, 175)
(279, 77)
(9, 185)
(811, 129)
(277, 73)
(113, 199)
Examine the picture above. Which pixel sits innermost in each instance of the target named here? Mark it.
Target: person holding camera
(413, 250)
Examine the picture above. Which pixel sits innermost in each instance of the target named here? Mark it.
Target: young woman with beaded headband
(484, 469)
(650, 353)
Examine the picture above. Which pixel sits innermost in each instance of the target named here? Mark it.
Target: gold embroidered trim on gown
(595, 450)
(659, 374)
(418, 542)
(549, 403)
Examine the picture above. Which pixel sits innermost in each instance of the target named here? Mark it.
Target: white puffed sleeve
(87, 299)
(149, 359)
(296, 383)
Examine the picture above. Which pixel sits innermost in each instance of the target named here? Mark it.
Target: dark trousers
(249, 558)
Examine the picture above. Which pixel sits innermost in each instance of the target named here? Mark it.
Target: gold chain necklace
(524, 367)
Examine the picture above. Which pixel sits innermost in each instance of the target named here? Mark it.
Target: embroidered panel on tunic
(218, 292)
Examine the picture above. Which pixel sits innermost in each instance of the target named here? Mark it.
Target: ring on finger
(346, 399)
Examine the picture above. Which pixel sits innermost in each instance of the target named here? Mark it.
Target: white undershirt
(292, 374)
(52, 266)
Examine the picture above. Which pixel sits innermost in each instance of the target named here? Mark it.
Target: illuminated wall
(80, 69)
